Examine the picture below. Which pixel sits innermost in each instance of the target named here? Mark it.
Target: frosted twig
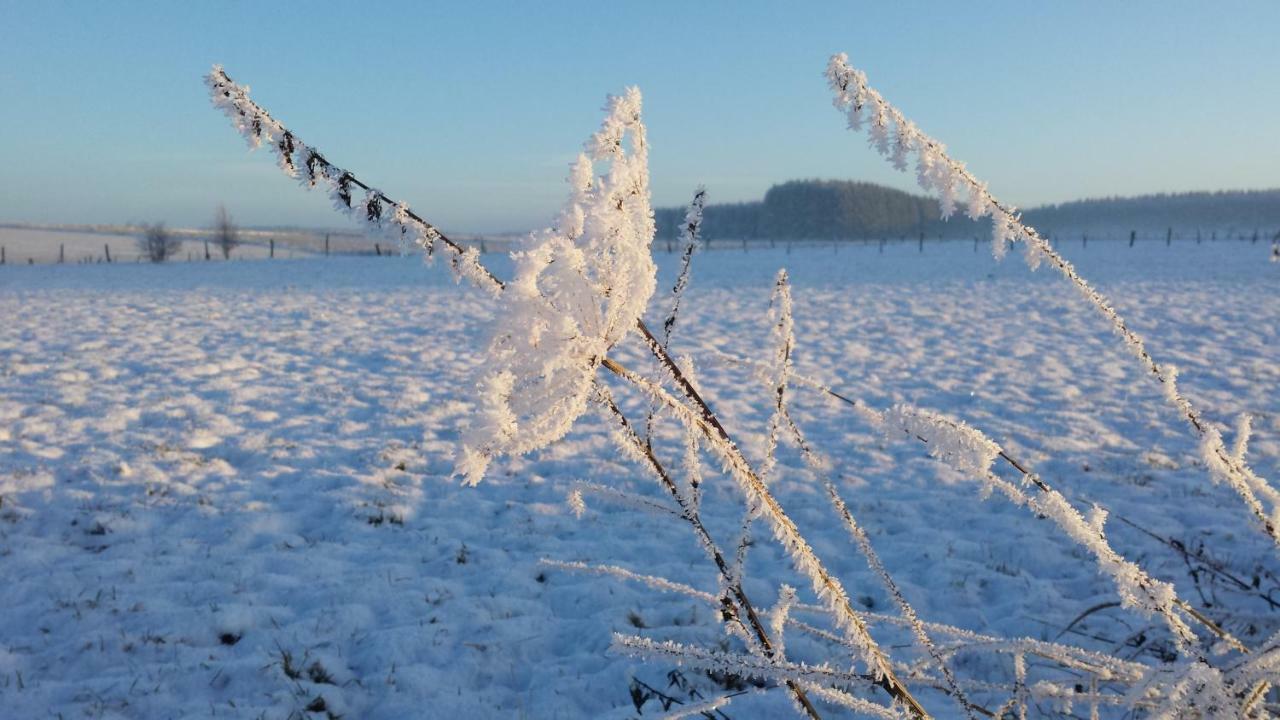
(897, 138)
(827, 587)
(689, 235)
(704, 708)
(751, 666)
(817, 465)
(652, 581)
(970, 451)
(735, 606)
(376, 210)
(783, 337)
(623, 498)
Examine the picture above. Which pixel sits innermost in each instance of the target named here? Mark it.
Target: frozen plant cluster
(581, 288)
(578, 289)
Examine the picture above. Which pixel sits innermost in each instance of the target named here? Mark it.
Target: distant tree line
(847, 210)
(1239, 210)
(826, 209)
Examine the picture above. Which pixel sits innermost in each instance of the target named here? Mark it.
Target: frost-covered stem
(1068, 656)
(828, 588)
(653, 581)
(779, 373)
(954, 441)
(877, 418)
(908, 612)
(705, 709)
(1020, 684)
(1259, 690)
(619, 497)
(897, 138)
(877, 566)
(690, 515)
(747, 665)
(973, 453)
(1137, 589)
(298, 159)
(689, 232)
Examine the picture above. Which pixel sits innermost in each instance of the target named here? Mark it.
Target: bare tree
(157, 243)
(225, 233)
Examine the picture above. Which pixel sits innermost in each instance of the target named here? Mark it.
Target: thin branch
(734, 585)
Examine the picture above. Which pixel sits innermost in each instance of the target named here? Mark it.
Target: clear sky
(471, 111)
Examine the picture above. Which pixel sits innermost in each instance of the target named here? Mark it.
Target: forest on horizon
(847, 209)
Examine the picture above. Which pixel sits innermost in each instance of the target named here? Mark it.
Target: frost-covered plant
(578, 289)
(899, 140)
(581, 288)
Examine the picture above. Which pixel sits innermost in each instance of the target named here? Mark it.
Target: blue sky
(472, 111)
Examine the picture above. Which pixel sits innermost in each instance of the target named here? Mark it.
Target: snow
(216, 476)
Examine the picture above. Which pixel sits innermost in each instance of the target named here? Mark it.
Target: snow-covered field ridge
(225, 488)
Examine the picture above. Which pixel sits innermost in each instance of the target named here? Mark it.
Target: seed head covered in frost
(950, 440)
(579, 287)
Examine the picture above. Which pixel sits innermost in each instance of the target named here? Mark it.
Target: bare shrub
(226, 236)
(157, 244)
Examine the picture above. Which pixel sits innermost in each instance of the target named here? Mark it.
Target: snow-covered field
(225, 488)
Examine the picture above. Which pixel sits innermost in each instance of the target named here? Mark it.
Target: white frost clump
(951, 441)
(578, 289)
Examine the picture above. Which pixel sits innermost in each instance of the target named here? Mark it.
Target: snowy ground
(225, 491)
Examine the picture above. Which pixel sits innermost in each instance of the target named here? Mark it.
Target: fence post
(1133, 235)
(921, 242)
(326, 244)
(1, 254)
(1168, 237)
(272, 241)
(1084, 240)
(62, 253)
(206, 248)
(106, 250)
(377, 250)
